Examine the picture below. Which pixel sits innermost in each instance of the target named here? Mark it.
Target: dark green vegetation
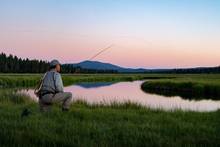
(98, 125)
(200, 70)
(30, 80)
(14, 64)
(187, 86)
(115, 125)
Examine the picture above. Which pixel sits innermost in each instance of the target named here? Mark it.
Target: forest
(14, 64)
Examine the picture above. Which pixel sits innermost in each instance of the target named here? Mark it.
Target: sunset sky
(145, 33)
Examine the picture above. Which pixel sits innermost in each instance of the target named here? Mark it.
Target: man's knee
(69, 95)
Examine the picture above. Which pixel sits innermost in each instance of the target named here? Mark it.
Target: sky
(144, 33)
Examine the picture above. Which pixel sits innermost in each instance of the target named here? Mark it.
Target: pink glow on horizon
(147, 34)
(125, 52)
(128, 51)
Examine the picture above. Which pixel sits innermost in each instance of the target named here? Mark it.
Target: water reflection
(94, 84)
(95, 93)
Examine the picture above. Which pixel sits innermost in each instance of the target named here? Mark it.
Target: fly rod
(100, 52)
(97, 54)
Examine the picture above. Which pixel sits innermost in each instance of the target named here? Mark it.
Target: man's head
(55, 64)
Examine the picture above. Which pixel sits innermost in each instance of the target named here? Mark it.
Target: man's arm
(58, 82)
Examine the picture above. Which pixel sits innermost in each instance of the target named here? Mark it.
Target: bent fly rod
(97, 54)
(100, 52)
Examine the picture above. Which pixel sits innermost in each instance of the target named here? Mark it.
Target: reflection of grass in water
(94, 84)
(99, 125)
(195, 87)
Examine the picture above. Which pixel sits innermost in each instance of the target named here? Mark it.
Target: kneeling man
(52, 89)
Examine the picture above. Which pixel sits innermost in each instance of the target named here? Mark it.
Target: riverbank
(193, 87)
(31, 80)
(98, 125)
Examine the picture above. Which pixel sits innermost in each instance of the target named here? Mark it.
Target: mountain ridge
(97, 65)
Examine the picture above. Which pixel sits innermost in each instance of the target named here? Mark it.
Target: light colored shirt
(52, 82)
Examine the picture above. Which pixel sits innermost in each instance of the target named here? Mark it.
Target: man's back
(52, 82)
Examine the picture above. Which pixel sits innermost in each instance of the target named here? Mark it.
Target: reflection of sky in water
(131, 91)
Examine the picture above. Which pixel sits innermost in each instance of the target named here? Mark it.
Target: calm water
(95, 93)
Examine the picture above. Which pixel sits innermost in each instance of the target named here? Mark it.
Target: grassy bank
(98, 125)
(30, 80)
(115, 125)
(188, 86)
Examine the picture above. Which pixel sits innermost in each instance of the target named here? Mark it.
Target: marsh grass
(104, 125)
(193, 87)
(9, 81)
(107, 126)
(31, 80)
(11, 96)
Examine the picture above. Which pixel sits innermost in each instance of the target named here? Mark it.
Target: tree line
(13, 64)
(200, 70)
(69, 68)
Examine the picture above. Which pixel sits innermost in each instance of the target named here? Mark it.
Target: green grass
(98, 125)
(18, 80)
(30, 80)
(11, 96)
(188, 86)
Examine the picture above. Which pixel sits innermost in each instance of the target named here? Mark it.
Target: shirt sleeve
(58, 82)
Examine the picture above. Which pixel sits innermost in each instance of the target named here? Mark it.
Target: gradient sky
(145, 33)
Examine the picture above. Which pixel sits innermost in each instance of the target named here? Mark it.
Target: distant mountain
(96, 65)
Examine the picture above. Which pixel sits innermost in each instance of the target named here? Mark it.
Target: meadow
(115, 125)
(100, 125)
(30, 80)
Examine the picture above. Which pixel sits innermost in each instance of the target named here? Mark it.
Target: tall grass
(100, 125)
(187, 87)
(11, 96)
(30, 80)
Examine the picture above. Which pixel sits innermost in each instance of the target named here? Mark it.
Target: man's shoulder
(57, 74)
(54, 73)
